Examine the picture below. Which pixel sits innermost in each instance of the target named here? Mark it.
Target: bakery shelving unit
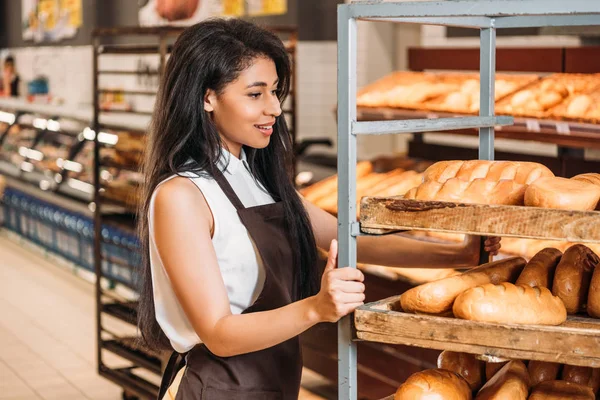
(116, 247)
(487, 16)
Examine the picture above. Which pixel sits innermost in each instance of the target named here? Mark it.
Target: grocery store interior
(77, 91)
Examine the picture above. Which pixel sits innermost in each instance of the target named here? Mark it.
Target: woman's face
(245, 111)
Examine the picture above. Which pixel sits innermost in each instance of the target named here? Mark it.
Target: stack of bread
(512, 291)
(506, 183)
(463, 376)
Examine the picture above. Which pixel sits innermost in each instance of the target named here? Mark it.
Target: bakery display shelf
(126, 72)
(564, 133)
(575, 342)
(132, 49)
(131, 112)
(128, 349)
(131, 92)
(126, 166)
(126, 378)
(379, 215)
(125, 311)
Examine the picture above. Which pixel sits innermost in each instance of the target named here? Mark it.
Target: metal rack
(486, 15)
(144, 366)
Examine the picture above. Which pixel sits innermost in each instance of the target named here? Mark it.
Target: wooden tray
(576, 342)
(379, 215)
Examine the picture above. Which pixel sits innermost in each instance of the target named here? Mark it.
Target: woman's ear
(210, 99)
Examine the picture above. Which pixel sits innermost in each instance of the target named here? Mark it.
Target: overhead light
(60, 163)
(72, 166)
(44, 184)
(80, 185)
(108, 138)
(7, 117)
(89, 134)
(40, 123)
(30, 153)
(26, 166)
(53, 125)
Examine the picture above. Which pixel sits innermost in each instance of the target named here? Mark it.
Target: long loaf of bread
(437, 297)
(510, 304)
(539, 271)
(562, 193)
(477, 191)
(561, 390)
(511, 382)
(518, 171)
(542, 371)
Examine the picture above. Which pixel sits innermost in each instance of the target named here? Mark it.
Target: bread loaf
(589, 377)
(477, 191)
(562, 193)
(541, 371)
(506, 303)
(539, 271)
(592, 178)
(593, 303)
(510, 383)
(434, 384)
(572, 277)
(561, 390)
(465, 365)
(520, 172)
(437, 297)
(491, 368)
(329, 185)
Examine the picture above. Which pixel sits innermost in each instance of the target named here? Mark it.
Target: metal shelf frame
(485, 15)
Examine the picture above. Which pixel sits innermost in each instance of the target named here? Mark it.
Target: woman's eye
(254, 95)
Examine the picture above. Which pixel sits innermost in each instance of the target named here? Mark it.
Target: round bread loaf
(539, 271)
(593, 303)
(562, 193)
(491, 368)
(434, 384)
(586, 376)
(465, 365)
(541, 371)
(511, 382)
(561, 390)
(506, 303)
(572, 277)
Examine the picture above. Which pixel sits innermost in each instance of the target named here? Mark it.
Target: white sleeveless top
(239, 262)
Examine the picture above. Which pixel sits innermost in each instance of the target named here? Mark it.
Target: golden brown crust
(561, 390)
(519, 171)
(593, 302)
(511, 382)
(465, 365)
(434, 384)
(492, 368)
(539, 271)
(562, 193)
(572, 277)
(437, 297)
(507, 303)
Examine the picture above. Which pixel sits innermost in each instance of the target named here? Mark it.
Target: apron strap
(228, 190)
(176, 362)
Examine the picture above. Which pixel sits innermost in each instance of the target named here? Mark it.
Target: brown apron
(272, 373)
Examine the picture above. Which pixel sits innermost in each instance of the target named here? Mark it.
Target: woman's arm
(182, 224)
(399, 250)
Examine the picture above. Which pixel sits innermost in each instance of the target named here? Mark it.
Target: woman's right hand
(342, 289)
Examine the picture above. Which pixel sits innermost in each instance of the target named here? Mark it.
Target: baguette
(562, 193)
(434, 384)
(539, 271)
(572, 277)
(510, 304)
(329, 185)
(593, 303)
(541, 371)
(510, 383)
(437, 297)
(521, 172)
(561, 390)
(586, 376)
(465, 365)
(477, 191)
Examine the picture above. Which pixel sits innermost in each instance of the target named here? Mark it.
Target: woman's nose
(273, 107)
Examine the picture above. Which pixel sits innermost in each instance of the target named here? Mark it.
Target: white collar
(230, 163)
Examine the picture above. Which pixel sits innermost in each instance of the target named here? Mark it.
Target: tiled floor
(47, 335)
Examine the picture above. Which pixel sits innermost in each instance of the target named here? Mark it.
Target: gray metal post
(487, 74)
(347, 63)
